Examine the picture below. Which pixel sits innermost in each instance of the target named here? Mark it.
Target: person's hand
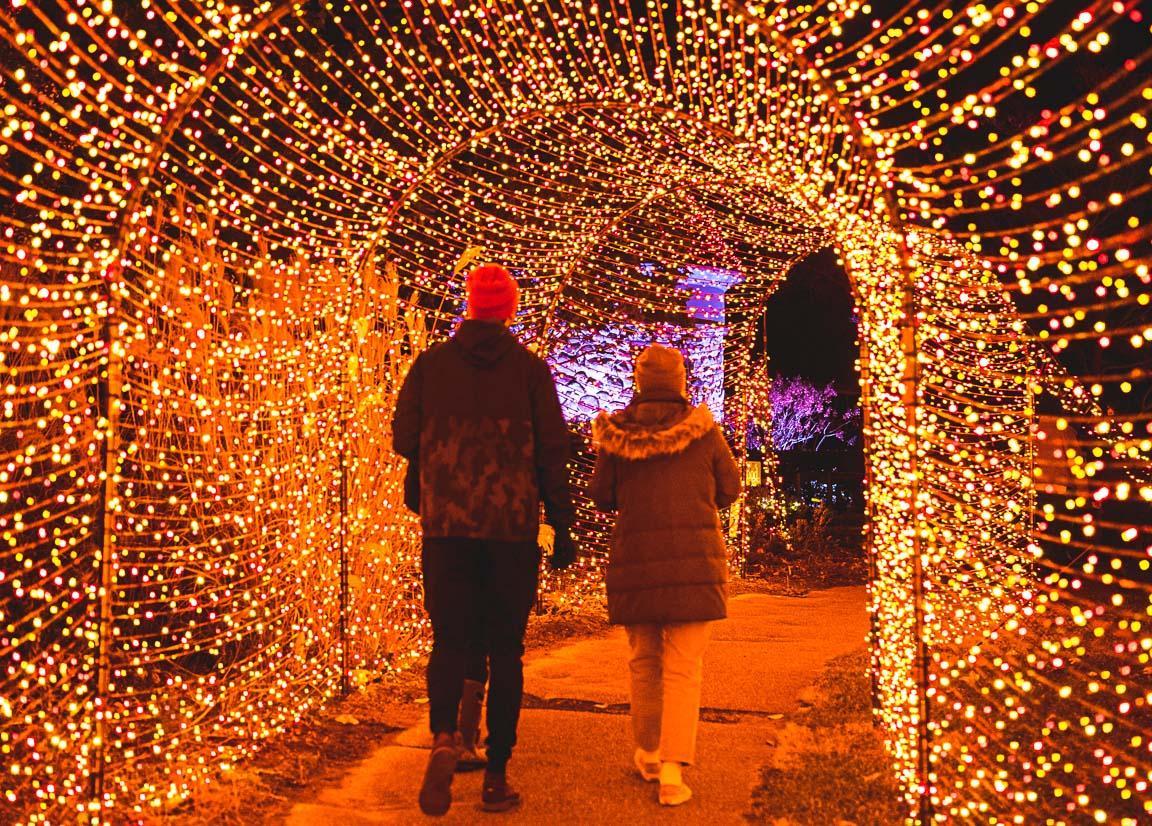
(563, 550)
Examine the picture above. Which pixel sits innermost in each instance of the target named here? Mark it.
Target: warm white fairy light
(204, 204)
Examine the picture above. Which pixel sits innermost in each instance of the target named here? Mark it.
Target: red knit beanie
(492, 293)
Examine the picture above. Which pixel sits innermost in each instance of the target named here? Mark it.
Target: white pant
(666, 669)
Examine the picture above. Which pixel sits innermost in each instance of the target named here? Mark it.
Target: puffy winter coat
(666, 470)
(479, 417)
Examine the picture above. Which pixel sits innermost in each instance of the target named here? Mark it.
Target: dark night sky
(808, 323)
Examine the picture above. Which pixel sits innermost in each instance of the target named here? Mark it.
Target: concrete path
(574, 761)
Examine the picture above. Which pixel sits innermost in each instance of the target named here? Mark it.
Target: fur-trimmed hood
(622, 435)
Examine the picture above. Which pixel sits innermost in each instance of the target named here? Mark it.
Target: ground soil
(320, 750)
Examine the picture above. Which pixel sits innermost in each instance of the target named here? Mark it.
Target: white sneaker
(673, 792)
(674, 795)
(648, 764)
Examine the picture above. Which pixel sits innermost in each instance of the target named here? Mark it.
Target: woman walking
(664, 467)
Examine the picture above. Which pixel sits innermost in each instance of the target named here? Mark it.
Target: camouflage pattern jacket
(479, 417)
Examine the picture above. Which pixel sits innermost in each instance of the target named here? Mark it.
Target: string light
(229, 229)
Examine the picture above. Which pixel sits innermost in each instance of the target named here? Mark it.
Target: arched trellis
(482, 136)
(955, 573)
(595, 235)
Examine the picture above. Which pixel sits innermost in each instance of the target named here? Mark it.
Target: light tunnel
(229, 228)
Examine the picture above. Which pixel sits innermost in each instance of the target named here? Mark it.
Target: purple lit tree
(805, 415)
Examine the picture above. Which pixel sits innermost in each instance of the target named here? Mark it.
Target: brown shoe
(498, 795)
(436, 791)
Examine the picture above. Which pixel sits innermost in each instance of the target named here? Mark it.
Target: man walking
(479, 418)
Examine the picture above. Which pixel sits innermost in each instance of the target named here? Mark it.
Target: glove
(412, 486)
(563, 550)
(546, 538)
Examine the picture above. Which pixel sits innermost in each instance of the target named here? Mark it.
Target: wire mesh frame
(112, 384)
(923, 720)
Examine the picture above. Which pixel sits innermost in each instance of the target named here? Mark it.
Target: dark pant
(477, 667)
(478, 594)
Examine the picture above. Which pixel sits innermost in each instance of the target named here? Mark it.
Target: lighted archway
(232, 226)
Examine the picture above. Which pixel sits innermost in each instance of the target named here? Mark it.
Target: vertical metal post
(1033, 427)
(743, 528)
(345, 410)
(870, 503)
(343, 550)
(110, 388)
(910, 343)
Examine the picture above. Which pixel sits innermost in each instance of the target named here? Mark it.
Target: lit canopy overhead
(229, 227)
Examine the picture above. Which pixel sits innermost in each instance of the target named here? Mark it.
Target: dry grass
(760, 585)
(307, 757)
(555, 627)
(830, 766)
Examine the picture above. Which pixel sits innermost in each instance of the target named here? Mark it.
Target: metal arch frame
(180, 111)
(480, 137)
(278, 12)
(589, 241)
(870, 162)
(110, 379)
(910, 336)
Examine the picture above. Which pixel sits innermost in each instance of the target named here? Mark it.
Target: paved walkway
(573, 764)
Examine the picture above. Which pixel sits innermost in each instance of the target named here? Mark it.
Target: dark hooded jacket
(666, 470)
(479, 418)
